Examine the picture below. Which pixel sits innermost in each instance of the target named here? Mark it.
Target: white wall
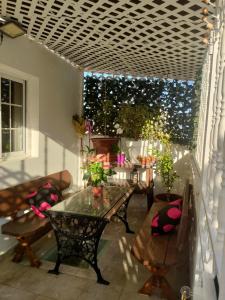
(54, 92)
(58, 89)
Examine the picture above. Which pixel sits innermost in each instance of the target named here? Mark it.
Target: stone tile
(9, 269)
(137, 296)
(10, 293)
(97, 292)
(54, 286)
(43, 298)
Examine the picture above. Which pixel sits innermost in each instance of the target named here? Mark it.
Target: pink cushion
(44, 198)
(177, 202)
(165, 220)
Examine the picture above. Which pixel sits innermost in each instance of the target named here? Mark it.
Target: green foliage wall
(172, 98)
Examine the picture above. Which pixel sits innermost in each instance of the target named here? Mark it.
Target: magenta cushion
(44, 198)
(177, 203)
(165, 220)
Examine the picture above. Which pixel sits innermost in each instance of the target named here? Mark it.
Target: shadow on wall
(52, 157)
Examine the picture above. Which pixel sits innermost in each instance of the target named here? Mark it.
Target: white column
(208, 193)
(220, 133)
(212, 171)
(222, 277)
(210, 119)
(221, 200)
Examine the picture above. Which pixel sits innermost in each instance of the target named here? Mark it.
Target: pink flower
(100, 157)
(106, 165)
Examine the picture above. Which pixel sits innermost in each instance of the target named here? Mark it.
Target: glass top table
(78, 222)
(84, 203)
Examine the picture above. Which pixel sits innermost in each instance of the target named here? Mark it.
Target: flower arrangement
(97, 171)
(119, 130)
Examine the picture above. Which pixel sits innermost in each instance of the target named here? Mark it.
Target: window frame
(22, 153)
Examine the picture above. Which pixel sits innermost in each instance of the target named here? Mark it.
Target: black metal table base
(79, 236)
(122, 215)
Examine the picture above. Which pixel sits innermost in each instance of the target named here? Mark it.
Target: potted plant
(132, 118)
(96, 173)
(105, 144)
(165, 168)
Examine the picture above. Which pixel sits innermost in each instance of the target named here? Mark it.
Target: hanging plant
(79, 125)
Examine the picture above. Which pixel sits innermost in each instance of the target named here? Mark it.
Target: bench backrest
(13, 199)
(184, 222)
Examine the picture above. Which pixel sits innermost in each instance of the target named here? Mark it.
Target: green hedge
(175, 99)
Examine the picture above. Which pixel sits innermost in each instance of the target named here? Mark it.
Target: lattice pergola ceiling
(140, 37)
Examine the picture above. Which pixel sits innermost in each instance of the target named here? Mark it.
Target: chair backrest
(13, 199)
(184, 222)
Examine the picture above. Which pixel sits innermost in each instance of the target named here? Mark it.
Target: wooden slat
(13, 199)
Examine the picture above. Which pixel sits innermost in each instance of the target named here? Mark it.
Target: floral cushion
(166, 220)
(44, 198)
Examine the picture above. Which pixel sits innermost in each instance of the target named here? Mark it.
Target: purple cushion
(44, 198)
(166, 220)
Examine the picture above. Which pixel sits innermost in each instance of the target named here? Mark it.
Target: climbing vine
(106, 96)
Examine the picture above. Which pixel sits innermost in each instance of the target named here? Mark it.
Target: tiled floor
(126, 275)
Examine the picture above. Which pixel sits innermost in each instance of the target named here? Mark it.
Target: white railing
(209, 169)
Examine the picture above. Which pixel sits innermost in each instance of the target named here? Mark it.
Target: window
(12, 116)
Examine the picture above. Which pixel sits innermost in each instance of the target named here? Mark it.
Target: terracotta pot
(104, 145)
(167, 197)
(97, 191)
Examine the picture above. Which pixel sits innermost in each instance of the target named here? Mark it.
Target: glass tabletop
(84, 203)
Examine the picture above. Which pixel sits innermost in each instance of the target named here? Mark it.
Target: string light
(205, 39)
(205, 11)
(209, 25)
(208, 2)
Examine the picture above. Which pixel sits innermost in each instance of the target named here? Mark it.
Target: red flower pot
(97, 191)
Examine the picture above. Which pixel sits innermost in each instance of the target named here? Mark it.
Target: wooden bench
(27, 227)
(159, 254)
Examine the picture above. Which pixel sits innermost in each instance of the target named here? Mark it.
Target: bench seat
(159, 250)
(159, 253)
(27, 227)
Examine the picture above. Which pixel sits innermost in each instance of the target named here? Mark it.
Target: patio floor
(126, 275)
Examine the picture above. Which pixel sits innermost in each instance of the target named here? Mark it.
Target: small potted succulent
(96, 173)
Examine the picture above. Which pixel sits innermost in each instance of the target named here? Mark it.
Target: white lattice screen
(140, 37)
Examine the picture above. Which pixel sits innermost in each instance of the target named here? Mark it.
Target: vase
(97, 191)
(120, 159)
(104, 145)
